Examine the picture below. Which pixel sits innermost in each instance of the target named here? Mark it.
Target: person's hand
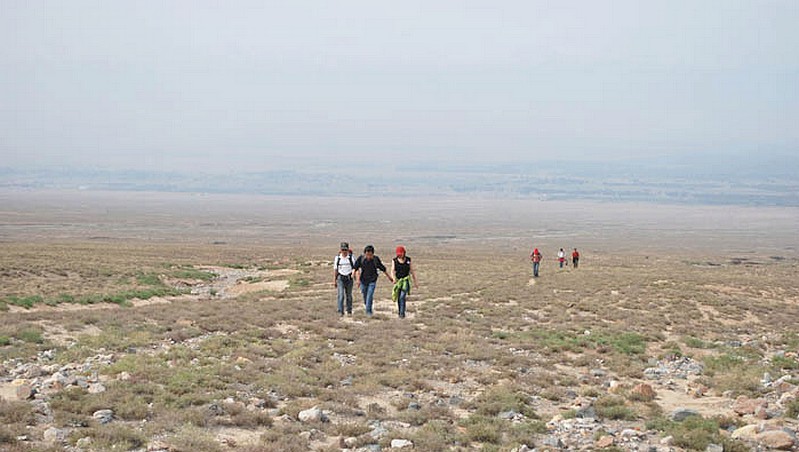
(335, 283)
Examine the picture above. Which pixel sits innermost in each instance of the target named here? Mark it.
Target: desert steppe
(203, 322)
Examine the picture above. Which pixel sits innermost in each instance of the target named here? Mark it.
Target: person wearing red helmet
(535, 256)
(403, 271)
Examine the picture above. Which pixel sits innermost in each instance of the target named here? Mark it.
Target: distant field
(207, 323)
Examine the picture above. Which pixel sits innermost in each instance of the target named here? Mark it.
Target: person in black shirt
(402, 269)
(366, 267)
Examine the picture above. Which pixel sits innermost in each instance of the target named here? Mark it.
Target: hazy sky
(249, 85)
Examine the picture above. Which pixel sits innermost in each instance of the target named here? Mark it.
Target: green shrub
(149, 279)
(696, 433)
(611, 407)
(483, 429)
(4, 340)
(31, 335)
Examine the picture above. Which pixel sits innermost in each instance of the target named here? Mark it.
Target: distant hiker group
(364, 271)
(536, 258)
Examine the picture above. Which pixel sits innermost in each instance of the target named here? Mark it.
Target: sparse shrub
(738, 371)
(31, 335)
(25, 302)
(694, 342)
(695, 433)
(193, 439)
(5, 340)
(522, 433)
(503, 398)
(483, 429)
(284, 441)
(149, 279)
(612, 407)
(792, 409)
(300, 282)
(113, 437)
(14, 412)
(192, 273)
(348, 429)
(436, 436)
(784, 363)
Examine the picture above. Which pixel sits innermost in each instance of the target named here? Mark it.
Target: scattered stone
(314, 414)
(96, 388)
(630, 433)
(586, 413)
(55, 435)
(414, 406)
(643, 392)
(744, 405)
(84, 442)
(598, 373)
(400, 443)
(378, 432)
(507, 415)
(605, 441)
(123, 376)
(350, 442)
(714, 448)
(776, 439)
(667, 441)
(25, 392)
(552, 441)
(103, 416)
(747, 432)
(347, 381)
(761, 412)
(681, 414)
(615, 387)
(456, 400)
(157, 446)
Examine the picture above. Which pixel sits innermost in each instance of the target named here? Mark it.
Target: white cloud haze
(253, 85)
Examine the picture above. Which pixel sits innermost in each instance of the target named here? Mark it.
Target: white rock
(400, 443)
(103, 416)
(55, 435)
(311, 415)
(96, 388)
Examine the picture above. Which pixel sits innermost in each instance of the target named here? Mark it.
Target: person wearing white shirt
(342, 278)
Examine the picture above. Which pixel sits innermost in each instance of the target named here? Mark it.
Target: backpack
(338, 261)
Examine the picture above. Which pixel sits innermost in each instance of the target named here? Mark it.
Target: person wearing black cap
(366, 267)
(342, 277)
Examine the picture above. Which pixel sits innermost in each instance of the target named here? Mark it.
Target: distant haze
(225, 86)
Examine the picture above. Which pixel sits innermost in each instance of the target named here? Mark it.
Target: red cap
(400, 250)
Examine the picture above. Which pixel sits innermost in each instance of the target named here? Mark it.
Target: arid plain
(180, 322)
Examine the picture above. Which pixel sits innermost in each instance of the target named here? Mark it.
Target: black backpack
(338, 261)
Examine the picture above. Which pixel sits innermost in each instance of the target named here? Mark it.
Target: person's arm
(393, 269)
(335, 271)
(381, 267)
(356, 270)
(413, 275)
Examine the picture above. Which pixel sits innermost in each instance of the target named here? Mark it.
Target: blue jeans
(535, 268)
(368, 291)
(401, 303)
(344, 288)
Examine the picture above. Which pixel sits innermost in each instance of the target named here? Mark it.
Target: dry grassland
(210, 347)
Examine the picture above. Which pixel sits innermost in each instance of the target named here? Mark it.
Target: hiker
(561, 257)
(402, 269)
(535, 256)
(366, 267)
(343, 268)
(575, 257)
